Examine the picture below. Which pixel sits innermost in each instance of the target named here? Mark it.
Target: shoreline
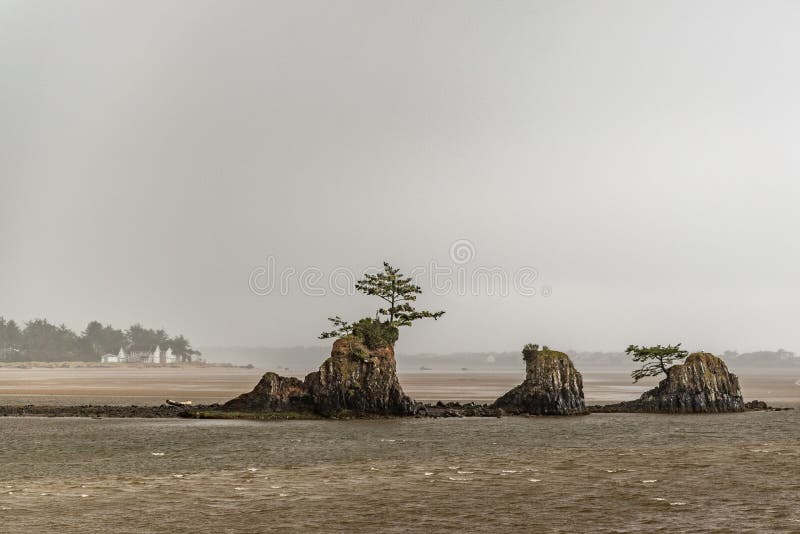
(215, 411)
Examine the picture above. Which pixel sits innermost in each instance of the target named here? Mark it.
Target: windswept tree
(397, 290)
(656, 360)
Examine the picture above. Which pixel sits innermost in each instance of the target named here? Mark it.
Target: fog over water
(640, 156)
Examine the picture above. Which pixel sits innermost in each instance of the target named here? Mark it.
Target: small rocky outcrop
(359, 378)
(273, 393)
(552, 386)
(702, 384)
(757, 405)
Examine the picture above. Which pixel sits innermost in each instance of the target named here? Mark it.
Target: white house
(142, 354)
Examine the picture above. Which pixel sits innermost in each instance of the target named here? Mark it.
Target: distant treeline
(40, 340)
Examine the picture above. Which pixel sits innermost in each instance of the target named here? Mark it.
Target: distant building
(142, 354)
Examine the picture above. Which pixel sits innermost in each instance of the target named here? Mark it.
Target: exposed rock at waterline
(552, 386)
(702, 384)
(273, 393)
(359, 378)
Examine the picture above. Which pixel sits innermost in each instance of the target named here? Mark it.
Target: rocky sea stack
(359, 378)
(552, 386)
(702, 384)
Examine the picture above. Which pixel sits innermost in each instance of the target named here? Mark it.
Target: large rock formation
(702, 384)
(359, 377)
(552, 386)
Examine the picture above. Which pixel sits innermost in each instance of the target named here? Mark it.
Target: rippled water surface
(620, 472)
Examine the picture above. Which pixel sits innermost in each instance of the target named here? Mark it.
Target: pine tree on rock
(397, 290)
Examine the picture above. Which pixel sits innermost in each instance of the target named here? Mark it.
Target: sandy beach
(151, 386)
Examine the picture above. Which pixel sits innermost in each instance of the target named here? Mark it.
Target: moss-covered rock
(376, 334)
(552, 386)
(702, 384)
(359, 378)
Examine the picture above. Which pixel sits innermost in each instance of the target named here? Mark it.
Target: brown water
(599, 473)
(603, 472)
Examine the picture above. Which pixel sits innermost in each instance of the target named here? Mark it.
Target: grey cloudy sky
(643, 156)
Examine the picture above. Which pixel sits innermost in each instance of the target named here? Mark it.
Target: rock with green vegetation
(359, 378)
(552, 386)
(702, 384)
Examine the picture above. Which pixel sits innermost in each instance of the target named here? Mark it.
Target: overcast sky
(641, 156)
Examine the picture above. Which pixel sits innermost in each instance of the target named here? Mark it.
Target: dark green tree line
(41, 340)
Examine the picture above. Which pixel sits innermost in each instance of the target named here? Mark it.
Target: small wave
(428, 473)
(759, 450)
(659, 499)
(374, 469)
(508, 471)
(177, 476)
(677, 504)
(465, 472)
(534, 480)
(252, 469)
(283, 495)
(649, 481)
(389, 440)
(238, 489)
(84, 495)
(453, 467)
(275, 487)
(157, 453)
(459, 479)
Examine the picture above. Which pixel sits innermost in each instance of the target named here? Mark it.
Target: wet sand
(151, 386)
